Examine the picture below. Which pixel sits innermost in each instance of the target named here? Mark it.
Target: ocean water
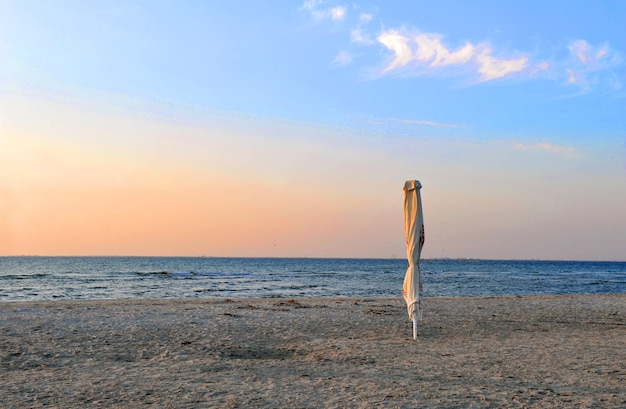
(54, 278)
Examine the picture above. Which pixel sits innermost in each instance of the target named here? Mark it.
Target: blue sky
(471, 98)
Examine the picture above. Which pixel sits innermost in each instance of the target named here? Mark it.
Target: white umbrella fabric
(414, 235)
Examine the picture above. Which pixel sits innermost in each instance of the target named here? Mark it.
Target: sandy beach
(547, 351)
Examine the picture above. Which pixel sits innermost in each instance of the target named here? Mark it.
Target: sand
(555, 351)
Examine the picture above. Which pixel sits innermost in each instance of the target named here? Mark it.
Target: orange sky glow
(90, 181)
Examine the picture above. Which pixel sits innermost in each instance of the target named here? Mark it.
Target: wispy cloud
(583, 66)
(492, 68)
(589, 64)
(365, 17)
(399, 44)
(429, 50)
(540, 68)
(337, 13)
(320, 12)
(571, 76)
(587, 67)
(562, 150)
(427, 123)
(342, 59)
(358, 36)
(585, 53)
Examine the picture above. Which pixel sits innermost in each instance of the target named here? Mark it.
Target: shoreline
(507, 351)
(300, 298)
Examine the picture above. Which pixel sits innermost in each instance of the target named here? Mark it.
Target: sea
(89, 278)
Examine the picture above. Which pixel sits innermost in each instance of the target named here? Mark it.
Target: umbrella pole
(414, 325)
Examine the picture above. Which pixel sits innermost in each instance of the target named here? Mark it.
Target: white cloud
(492, 68)
(590, 66)
(337, 13)
(588, 55)
(587, 67)
(399, 44)
(318, 12)
(357, 36)
(429, 49)
(580, 49)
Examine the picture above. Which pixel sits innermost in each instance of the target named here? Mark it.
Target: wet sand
(519, 352)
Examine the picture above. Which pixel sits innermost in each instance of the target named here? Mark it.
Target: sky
(288, 128)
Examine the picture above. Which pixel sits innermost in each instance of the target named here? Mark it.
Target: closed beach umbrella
(414, 235)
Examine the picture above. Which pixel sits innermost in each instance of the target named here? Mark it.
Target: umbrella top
(412, 185)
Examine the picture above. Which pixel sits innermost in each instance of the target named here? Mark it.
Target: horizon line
(467, 259)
